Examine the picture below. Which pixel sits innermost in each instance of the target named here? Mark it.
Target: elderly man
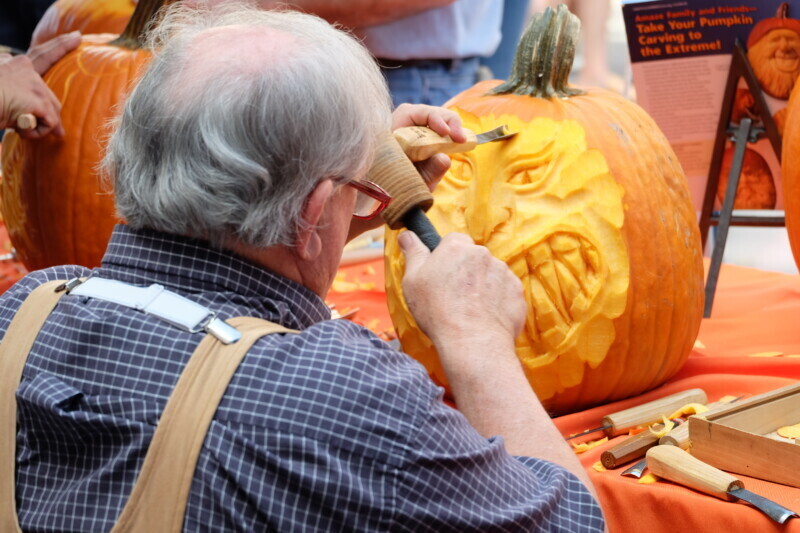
(238, 163)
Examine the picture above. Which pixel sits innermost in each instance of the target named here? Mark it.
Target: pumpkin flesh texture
(589, 207)
(56, 209)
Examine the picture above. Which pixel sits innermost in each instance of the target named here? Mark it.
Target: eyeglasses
(371, 199)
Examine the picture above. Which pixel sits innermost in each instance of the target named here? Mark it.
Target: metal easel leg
(740, 143)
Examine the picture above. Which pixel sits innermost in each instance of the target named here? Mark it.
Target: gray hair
(232, 154)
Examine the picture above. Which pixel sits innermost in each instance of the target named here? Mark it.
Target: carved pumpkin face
(773, 49)
(547, 206)
(776, 61)
(589, 207)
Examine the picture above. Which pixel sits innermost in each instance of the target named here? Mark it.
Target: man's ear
(308, 243)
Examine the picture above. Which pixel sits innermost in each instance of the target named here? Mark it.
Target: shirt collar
(149, 256)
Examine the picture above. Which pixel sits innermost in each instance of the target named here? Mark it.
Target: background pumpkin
(54, 205)
(86, 16)
(589, 207)
(790, 172)
(756, 188)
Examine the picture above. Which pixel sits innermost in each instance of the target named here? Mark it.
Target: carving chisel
(420, 143)
(674, 464)
(648, 413)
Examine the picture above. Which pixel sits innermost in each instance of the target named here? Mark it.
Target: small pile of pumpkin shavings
(666, 427)
(790, 432)
(586, 446)
(342, 284)
(699, 345)
(668, 422)
(689, 409)
(598, 466)
(766, 354)
(648, 478)
(728, 398)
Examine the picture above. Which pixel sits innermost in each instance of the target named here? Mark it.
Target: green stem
(132, 37)
(544, 56)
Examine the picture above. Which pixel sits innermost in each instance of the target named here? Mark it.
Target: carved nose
(489, 208)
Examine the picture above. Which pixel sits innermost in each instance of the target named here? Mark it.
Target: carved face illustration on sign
(773, 49)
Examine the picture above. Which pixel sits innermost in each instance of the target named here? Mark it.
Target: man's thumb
(413, 249)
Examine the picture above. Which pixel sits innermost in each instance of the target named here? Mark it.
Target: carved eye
(528, 173)
(462, 170)
(529, 166)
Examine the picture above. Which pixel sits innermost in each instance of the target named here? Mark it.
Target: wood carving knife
(420, 143)
(647, 413)
(674, 464)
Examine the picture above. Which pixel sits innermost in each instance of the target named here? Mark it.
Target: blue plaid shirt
(326, 430)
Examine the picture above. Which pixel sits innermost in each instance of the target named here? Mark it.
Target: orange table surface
(751, 344)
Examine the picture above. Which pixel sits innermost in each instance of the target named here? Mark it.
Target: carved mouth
(561, 275)
(786, 60)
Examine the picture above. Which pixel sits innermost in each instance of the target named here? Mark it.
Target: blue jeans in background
(431, 82)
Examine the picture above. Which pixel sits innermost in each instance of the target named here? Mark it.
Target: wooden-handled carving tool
(26, 121)
(647, 413)
(398, 176)
(394, 171)
(674, 464)
(420, 143)
(677, 436)
(633, 447)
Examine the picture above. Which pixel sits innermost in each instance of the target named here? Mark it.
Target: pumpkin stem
(783, 11)
(544, 56)
(132, 37)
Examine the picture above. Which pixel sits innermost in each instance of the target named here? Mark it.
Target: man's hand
(442, 121)
(23, 91)
(460, 290)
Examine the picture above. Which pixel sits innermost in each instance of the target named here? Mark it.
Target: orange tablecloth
(755, 312)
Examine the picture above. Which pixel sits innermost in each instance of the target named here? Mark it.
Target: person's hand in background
(22, 90)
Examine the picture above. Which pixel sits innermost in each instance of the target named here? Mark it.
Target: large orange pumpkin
(588, 205)
(790, 172)
(55, 207)
(86, 16)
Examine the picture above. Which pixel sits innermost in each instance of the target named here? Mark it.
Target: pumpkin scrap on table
(589, 207)
(586, 446)
(790, 432)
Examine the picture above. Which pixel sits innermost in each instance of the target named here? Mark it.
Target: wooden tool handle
(650, 412)
(398, 176)
(631, 448)
(674, 464)
(420, 143)
(26, 121)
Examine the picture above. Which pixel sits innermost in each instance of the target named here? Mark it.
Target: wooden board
(737, 439)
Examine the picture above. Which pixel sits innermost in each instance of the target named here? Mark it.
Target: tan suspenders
(158, 500)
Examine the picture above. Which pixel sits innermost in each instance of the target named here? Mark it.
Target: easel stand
(739, 134)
